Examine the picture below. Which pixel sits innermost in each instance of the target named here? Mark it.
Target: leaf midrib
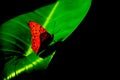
(29, 51)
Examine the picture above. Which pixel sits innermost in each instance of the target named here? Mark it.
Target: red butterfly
(40, 37)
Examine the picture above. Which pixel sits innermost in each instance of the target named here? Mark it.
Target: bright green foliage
(60, 18)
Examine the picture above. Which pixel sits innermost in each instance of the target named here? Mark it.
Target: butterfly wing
(39, 36)
(35, 32)
(45, 38)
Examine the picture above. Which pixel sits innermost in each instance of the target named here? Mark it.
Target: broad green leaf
(60, 18)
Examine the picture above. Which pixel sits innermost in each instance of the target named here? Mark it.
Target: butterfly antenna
(53, 31)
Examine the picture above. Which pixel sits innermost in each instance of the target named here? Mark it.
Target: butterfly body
(40, 36)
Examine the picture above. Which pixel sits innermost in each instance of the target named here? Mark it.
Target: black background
(76, 57)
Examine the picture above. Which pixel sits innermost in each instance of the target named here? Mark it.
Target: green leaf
(60, 18)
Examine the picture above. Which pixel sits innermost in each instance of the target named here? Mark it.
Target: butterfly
(40, 37)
